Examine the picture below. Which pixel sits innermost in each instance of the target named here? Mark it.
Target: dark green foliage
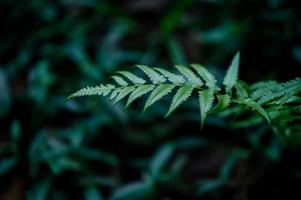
(91, 149)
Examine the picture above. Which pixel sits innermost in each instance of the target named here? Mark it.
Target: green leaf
(158, 93)
(132, 77)
(206, 98)
(223, 102)
(232, 73)
(176, 51)
(123, 93)
(40, 191)
(242, 90)
(131, 191)
(173, 78)
(205, 74)
(103, 90)
(120, 80)
(7, 164)
(287, 90)
(115, 93)
(264, 88)
(160, 159)
(254, 106)
(181, 96)
(138, 92)
(264, 84)
(154, 76)
(92, 193)
(191, 77)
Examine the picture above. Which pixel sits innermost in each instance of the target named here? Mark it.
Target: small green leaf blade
(138, 92)
(115, 93)
(123, 93)
(132, 77)
(224, 101)
(161, 158)
(154, 76)
(173, 78)
(206, 98)
(157, 94)
(242, 90)
(254, 106)
(205, 74)
(181, 96)
(190, 75)
(103, 90)
(232, 73)
(133, 191)
(120, 80)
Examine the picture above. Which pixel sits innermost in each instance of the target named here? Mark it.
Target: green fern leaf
(263, 84)
(242, 90)
(154, 76)
(263, 88)
(206, 99)
(287, 100)
(224, 101)
(103, 90)
(132, 77)
(120, 80)
(292, 90)
(281, 101)
(205, 74)
(115, 93)
(173, 78)
(232, 73)
(157, 94)
(138, 92)
(288, 89)
(123, 93)
(191, 77)
(254, 106)
(181, 95)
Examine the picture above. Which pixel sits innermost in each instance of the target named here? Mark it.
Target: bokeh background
(88, 149)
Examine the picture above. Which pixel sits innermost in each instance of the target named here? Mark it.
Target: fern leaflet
(232, 73)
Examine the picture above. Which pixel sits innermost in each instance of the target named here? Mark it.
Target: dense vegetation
(88, 148)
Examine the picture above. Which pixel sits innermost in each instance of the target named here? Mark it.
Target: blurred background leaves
(89, 149)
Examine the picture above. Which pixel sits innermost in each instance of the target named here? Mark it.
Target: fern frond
(181, 96)
(157, 94)
(206, 99)
(154, 76)
(232, 73)
(190, 76)
(263, 97)
(287, 90)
